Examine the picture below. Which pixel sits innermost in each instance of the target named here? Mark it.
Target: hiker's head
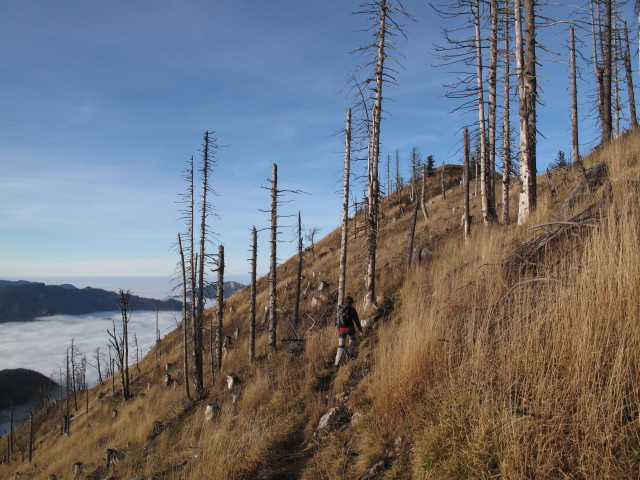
(348, 300)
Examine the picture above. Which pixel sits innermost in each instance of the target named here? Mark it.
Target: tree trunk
(423, 193)
(527, 90)
(100, 379)
(220, 308)
(123, 306)
(607, 64)
(345, 211)
(493, 96)
(199, 318)
(252, 300)
(484, 163)
(575, 146)
(443, 185)
(30, 437)
(11, 439)
(296, 305)
(67, 415)
(506, 127)
(272, 274)
(466, 175)
(412, 234)
(374, 188)
(398, 179)
(185, 323)
(633, 118)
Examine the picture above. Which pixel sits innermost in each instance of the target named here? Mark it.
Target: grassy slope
(482, 366)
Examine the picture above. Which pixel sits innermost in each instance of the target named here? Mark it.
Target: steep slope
(512, 356)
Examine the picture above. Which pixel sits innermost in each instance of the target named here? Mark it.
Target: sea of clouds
(41, 344)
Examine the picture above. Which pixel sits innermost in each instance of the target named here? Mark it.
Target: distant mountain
(229, 289)
(20, 386)
(21, 301)
(210, 290)
(6, 283)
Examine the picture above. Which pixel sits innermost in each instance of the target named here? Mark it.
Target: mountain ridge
(22, 301)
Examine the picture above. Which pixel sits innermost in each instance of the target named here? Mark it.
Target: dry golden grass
(474, 370)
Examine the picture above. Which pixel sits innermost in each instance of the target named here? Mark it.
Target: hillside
(513, 356)
(25, 301)
(21, 385)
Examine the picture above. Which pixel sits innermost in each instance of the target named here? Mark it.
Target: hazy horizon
(157, 287)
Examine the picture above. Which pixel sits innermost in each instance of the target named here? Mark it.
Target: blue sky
(102, 104)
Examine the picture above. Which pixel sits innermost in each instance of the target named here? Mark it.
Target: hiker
(345, 321)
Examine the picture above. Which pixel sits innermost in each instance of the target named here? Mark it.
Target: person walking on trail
(346, 322)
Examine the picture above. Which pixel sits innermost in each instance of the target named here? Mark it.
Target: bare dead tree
(492, 110)
(423, 193)
(615, 83)
(30, 436)
(185, 322)
(96, 356)
(415, 159)
(252, 300)
(463, 48)
(506, 124)
(342, 280)
(412, 233)
(137, 350)
(220, 308)
(275, 194)
(273, 320)
(602, 36)
(74, 368)
(633, 118)
(443, 184)
(385, 27)
(575, 146)
(11, 439)
(120, 341)
(398, 177)
(208, 161)
(67, 414)
(310, 237)
(388, 192)
(484, 161)
(527, 93)
(296, 304)
(466, 174)
(196, 262)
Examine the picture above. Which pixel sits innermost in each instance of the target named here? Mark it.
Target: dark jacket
(353, 316)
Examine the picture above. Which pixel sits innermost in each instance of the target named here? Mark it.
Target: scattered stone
(342, 397)
(112, 457)
(331, 420)
(77, 470)
(374, 471)
(322, 286)
(232, 382)
(356, 417)
(211, 411)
